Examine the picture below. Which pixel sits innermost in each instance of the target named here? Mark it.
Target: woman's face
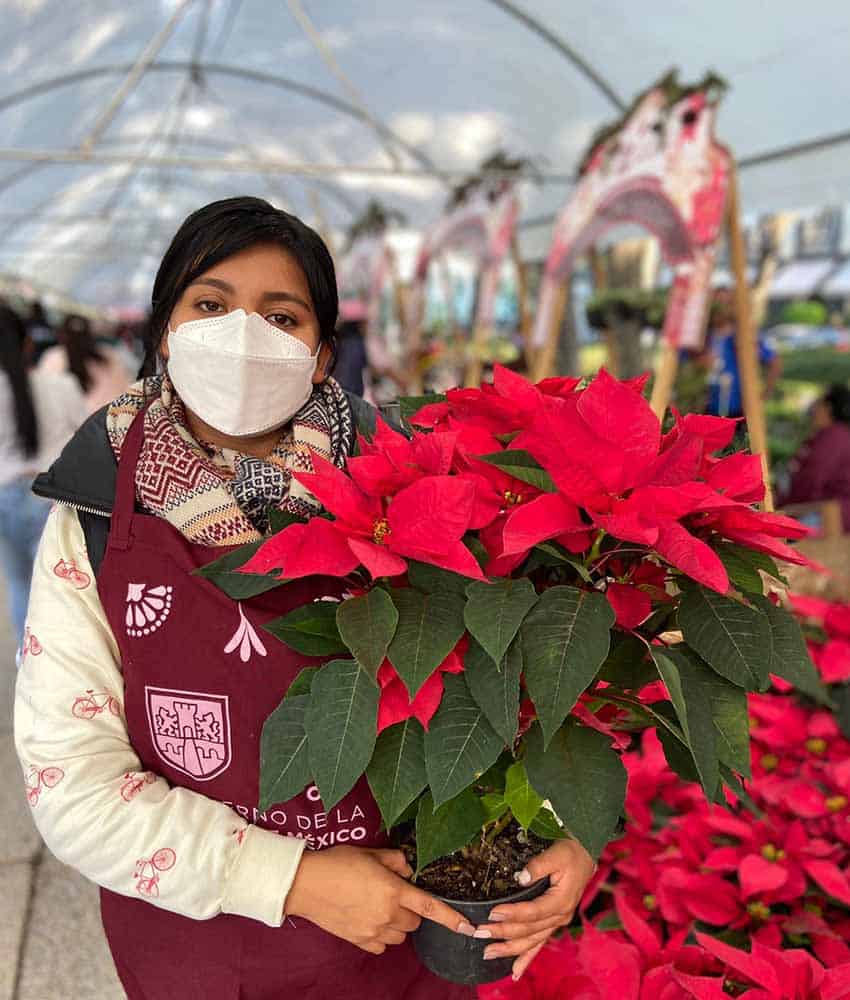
(263, 279)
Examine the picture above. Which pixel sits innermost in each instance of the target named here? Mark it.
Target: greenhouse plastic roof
(117, 118)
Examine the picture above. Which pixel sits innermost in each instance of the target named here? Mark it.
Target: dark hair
(837, 399)
(222, 229)
(75, 334)
(13, 336)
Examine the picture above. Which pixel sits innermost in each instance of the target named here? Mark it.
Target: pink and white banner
(661, 169)
(483, 225)
(364, 272)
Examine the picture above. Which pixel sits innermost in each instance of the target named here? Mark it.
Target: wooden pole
(665, 379)
(599, 273)
(746, 339)
(522, 300)
(544, 361)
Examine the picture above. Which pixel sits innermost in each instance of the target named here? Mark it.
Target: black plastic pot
(458, 958)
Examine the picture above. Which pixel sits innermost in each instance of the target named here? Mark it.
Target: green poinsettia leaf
(239, 586)
(791, 659)
(495, 611)
(448, 828)
(284, 764)
(460, 744)
(434, 580)
(429, 627)
(280, 519)
(733, 638)
(523, 800)
(743, 574)
(302, 683)
(495, 807)
(583, 778)
(545, 825)
(310, 629)
(396, 773)
(695, 716)
(411, 405)
(366, 625)
(565, 639)
(628, 664)
(552, 554)
(341, 725)
(522, 465)
(496, 689)
(679, 758)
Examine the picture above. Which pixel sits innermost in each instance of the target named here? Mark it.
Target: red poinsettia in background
(708, 903)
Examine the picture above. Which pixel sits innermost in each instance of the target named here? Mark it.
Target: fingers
(563, 859)
(431, 908)
(524, 960)
(374, 947)
(510, 930)
(395, 861)
(393, 936)
(406, 920)
(556, 901)
(507, 949)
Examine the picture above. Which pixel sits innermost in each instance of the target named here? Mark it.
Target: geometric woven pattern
(216, 496)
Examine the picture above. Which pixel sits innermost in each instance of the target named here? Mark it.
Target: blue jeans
(22, 518)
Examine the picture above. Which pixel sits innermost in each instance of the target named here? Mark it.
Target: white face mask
(239, 373)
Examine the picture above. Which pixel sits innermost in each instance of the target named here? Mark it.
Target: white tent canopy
(117, 119)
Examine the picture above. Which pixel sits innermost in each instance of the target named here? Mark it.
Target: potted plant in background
(518, 573)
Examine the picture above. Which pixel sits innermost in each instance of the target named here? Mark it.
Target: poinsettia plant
(516, 569)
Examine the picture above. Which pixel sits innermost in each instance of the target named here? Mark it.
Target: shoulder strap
(96, 532)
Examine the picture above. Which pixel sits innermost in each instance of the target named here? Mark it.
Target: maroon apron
(200, 678)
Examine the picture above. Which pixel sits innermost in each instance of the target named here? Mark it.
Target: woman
(821, 468)
(38, 413)
(99, 370)
(138, 722)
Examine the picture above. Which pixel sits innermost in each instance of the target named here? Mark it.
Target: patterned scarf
(216, 496)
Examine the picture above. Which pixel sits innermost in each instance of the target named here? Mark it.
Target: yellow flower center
(769, 852)
(512, 499)
(813, 908)
(649, 902)
(770, 762)
(380, 530)
(836, 803)
(759, 911)
(816, 745)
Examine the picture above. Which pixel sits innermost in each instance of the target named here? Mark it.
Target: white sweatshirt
(125, 829)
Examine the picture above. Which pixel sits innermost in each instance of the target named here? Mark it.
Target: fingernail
(491, 952)
(516, 976)
(467, 929)
(482, 932)
(524, 877)
(495, 918)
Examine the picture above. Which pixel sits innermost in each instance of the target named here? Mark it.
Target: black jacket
(85, 474)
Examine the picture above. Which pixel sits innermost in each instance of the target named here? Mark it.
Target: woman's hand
(361, 895)
(525, 927)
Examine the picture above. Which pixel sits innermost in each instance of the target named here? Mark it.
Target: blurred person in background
(821, 468)
(721, 358)
(39, 332)
(39, 412)
(351, 359)
(100, 370)
(363, 364)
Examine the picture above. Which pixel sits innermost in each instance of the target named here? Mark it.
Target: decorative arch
(660, 168)
(483, 224)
